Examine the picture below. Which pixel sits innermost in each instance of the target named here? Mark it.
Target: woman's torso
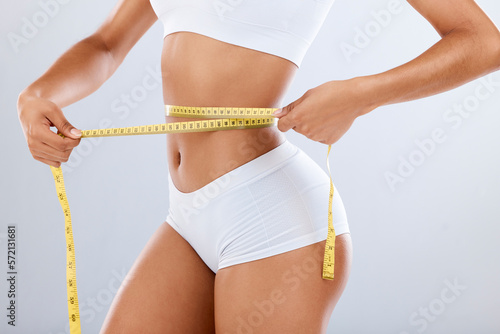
(201, 71)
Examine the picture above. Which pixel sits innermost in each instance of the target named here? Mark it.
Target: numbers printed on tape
(224, 118)
(73, 310)
(329, 258)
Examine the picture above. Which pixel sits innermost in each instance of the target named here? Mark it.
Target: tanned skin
(169, 289)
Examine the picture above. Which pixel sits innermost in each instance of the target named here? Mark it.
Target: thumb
(65, 127)
(280, 112)
(285, 123)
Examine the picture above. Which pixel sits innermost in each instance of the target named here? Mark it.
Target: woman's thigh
(284, 293)
(168, 290)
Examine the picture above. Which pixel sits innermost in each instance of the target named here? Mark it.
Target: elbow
(100, 45)
(495, 44)
(491, 47)
(484, 45)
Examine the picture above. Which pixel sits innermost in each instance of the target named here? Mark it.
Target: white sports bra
(285, 28)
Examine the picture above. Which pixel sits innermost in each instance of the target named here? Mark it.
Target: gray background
(411, 241)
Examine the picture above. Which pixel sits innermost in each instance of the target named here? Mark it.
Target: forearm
(460, 56)
(77, 73)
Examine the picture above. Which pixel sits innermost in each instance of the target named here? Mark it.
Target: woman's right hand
(37, 116)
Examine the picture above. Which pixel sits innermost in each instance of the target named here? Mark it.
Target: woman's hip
(269, 205)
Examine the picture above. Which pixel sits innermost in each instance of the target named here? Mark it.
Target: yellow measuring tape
(222, 119)
(74, 313)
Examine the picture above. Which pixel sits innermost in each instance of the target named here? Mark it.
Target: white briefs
(275, 203)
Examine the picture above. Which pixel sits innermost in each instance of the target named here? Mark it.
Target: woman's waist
(195, 159)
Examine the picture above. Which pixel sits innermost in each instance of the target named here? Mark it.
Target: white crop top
(285, 28)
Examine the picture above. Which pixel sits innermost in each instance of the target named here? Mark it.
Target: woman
(225, 270)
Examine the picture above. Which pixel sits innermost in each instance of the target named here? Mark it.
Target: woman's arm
(469, 48)
(77, 73)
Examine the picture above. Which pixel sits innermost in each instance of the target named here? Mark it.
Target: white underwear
(273, 204)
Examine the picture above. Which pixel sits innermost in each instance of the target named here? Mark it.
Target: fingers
(45, 144)
(57, 142)
(297, 116)
(44, 151)
(48, 162)
(54, 154)
(280, 112)
(286, 120)
(64, 127)
(37, 116)
(286, 123)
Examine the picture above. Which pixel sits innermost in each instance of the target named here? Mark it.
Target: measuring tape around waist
(221, 118)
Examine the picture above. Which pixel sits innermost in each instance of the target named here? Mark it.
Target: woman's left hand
(326, 112)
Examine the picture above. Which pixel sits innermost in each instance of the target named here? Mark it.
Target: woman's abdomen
(201, 71)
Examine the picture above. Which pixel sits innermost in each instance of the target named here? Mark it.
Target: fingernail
(278, 111)
(76, 132)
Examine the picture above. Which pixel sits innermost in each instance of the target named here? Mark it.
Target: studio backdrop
(420, 180)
